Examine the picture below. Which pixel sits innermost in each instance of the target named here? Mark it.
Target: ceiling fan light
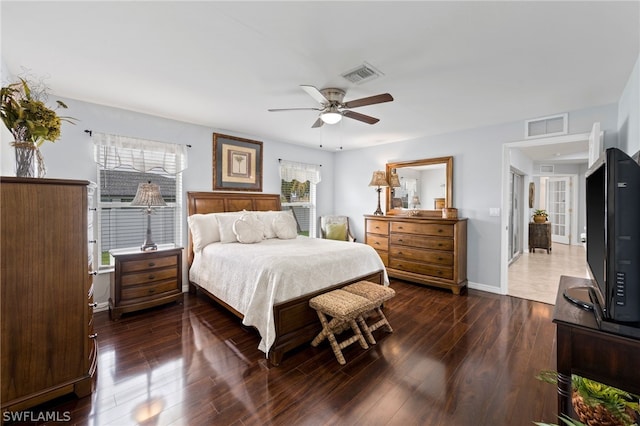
(331, 117)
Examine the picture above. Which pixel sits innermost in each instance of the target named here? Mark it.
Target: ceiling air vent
(546, 126)
(362, 74)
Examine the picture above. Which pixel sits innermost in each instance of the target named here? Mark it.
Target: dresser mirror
(425, 186)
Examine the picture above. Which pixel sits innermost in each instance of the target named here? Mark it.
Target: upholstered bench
(377, 294)
(344, 308)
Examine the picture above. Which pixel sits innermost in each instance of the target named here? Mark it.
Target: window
(298, 193)
(123, 163)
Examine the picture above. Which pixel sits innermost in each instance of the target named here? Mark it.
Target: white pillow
(225, 226)
(248, 229)
(285, 226)
(267, 219)
(204, 230)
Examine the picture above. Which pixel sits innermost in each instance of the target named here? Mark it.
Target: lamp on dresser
(148, 195)
(378, 179)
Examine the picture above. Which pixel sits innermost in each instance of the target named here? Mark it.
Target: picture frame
(237, 164)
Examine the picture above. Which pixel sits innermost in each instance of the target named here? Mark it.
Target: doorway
(559, 193)
(516, 154)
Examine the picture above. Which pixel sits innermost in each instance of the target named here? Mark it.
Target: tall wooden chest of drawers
(429, 251)
(144, 279)
(48, 344)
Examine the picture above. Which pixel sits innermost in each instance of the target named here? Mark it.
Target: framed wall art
(237, 164)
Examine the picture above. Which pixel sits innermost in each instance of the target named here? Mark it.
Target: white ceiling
(449, 65)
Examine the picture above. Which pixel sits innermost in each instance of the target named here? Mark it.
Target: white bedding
(251, 278)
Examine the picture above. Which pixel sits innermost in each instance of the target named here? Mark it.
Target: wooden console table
(587, 351)
(539, 236)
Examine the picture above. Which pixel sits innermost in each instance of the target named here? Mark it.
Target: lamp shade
(148, 195)
(394, 180)
(378, 179)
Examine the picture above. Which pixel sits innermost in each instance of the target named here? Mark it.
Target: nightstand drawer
(136, 292)
(148, 277)
(146, 264)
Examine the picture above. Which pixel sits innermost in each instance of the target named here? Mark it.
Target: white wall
(629, 113)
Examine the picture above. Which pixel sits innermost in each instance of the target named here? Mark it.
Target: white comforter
(251, 278)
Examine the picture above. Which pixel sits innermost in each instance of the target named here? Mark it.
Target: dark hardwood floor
(451, 360)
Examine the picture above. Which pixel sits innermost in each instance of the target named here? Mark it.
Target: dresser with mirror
(415, 242)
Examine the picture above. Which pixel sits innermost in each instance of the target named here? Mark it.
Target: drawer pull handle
(152, 290)
(377, 243)
(440, 230)
(93, 305)
(93, 336)
(151, 276)
(400, 240)
(152, 264)
(439, 244)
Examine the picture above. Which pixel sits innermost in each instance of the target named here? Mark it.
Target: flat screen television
(613, 239)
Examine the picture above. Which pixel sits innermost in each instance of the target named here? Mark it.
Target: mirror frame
(448, 202)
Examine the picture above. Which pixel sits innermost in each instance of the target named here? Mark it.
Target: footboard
(297, 324)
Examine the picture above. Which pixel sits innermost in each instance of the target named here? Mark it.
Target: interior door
(559, 208)
(515, 215)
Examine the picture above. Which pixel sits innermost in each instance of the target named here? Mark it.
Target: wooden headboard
(219, 202)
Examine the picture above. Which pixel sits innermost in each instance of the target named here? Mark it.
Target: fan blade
(318, 123)
(294, 109)
(360, 117)
(377, 99)
(315, 94)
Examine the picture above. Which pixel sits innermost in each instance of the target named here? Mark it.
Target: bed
(290, 322)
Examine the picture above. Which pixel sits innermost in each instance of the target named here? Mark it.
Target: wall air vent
(553, 125)
(546, 169)
(362, 74)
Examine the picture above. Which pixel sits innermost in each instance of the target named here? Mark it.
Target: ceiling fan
(332, 108)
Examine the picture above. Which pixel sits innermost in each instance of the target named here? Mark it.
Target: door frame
(506, 168)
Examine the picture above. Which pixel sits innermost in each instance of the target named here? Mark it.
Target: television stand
(585, 349)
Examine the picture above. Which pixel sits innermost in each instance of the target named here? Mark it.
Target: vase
(539, 219)
(29, 160)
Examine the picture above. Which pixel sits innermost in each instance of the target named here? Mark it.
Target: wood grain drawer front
(384, 255)
(135, 292)
(437, 229)
(423, 242)
(378, 227)
(422, 268)
(146, 264)
(149, 277)
(419, 255)
(378, 242)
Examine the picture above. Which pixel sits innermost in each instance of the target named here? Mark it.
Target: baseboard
(485, 287)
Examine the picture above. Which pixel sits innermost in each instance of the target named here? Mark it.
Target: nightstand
(143, 279)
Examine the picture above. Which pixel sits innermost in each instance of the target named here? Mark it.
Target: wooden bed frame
(295, 322)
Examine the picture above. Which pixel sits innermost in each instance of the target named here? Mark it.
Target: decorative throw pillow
(285, 226)
(248, 229)
(204, 230)
(225, 226)
(337, 231)
(267, 219)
